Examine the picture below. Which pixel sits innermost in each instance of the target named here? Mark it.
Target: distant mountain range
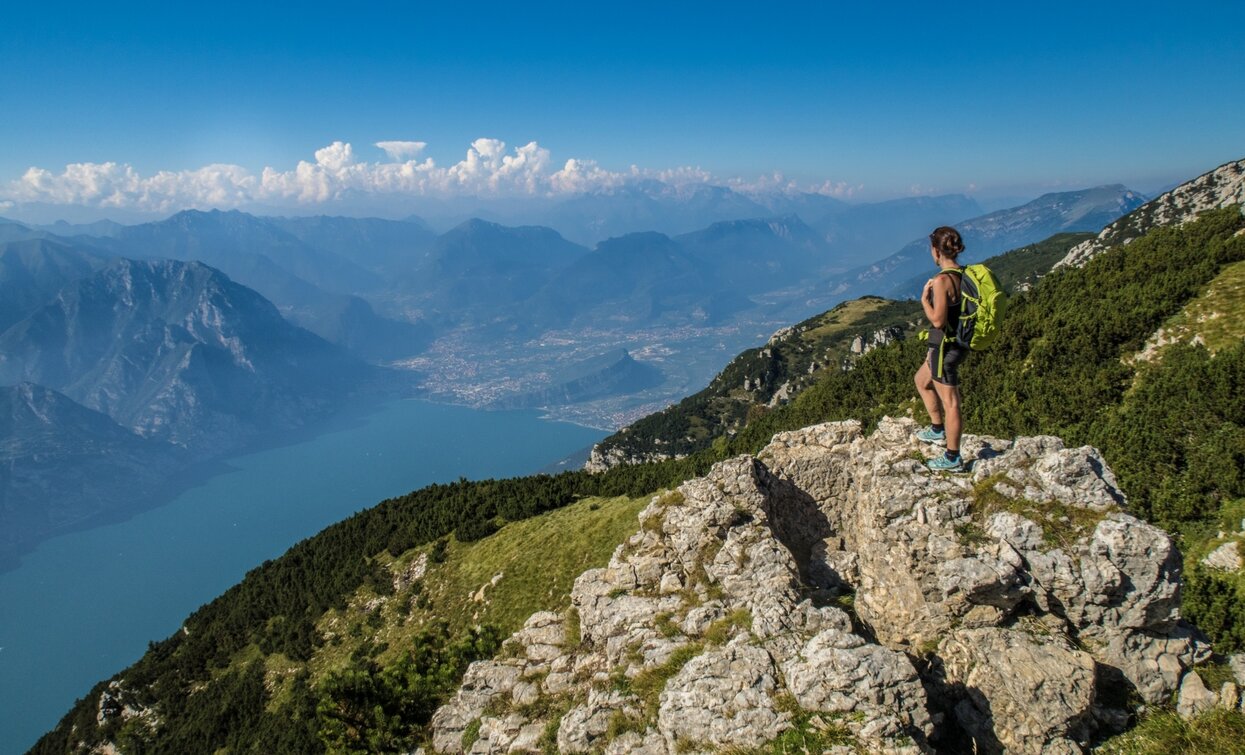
(903, 273)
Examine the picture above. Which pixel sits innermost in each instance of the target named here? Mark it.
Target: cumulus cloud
(399, 151)
(488, 169)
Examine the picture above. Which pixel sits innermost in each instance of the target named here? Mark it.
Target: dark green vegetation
(1173, 429)
(1023, 267)
(370, 709)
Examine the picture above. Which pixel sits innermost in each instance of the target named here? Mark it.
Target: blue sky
(881, 101)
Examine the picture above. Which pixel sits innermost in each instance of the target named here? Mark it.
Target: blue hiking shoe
(930, 435)
(941, 463)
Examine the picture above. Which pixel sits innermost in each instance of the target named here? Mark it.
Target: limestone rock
(412, 573)
(1021, 693)
(1236, 662)
(964, 591)
(838, 672)
(1195, 698)
(584, 727)
(723, 697)
(1226, 557)
(1154, 663)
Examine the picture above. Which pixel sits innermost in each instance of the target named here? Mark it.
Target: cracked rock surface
(833, 579)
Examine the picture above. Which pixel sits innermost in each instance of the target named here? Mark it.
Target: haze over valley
(186, 338)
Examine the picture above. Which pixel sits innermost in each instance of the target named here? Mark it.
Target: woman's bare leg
(925, 387)
(949, 396)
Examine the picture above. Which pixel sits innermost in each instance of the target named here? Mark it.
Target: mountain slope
(759, 255)
(312, 285)
(222, 239)
(635, 278)
(389, 247)
(178, 352)
(478, 269)
(62, 464)
(758, 380)
(648, 206)
(1087, 210)
(33, 272)
(860, 234)
(612, 373)
(1221, 187)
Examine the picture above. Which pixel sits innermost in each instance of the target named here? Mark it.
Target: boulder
(1018, 691)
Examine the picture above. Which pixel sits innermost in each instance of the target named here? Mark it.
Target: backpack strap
(960, 281)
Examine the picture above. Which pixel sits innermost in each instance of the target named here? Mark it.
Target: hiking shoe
(941, 463)
(930, 435)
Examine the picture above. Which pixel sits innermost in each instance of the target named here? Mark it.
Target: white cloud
(399, 151)
(489, 169)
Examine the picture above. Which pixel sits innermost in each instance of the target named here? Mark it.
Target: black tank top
(953, 308)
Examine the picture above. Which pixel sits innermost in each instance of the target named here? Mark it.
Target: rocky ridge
(833, 582)
(1221, 187)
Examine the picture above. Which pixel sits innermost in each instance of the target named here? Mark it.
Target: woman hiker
(938, 380)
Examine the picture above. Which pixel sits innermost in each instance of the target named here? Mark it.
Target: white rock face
(1026, 693)
(723, 697)
(1195, 698)
(987, 608)
(1226, 557)
(1222, 187)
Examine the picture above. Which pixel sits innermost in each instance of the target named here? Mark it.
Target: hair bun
(947, 241)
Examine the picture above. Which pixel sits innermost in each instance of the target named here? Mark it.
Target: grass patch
(720, 631)
(1217, 315)
(648, 684)
(620, 723)
(1215, 674)
(471, 734)
(809, 732)
(548, 742)
(665, 625)
(1163, 732)
(574, 629)
(672, 498)
(1061, 524)
(539, 558)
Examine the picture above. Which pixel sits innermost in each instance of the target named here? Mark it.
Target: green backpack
(982, 303)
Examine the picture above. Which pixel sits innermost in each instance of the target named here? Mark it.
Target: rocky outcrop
(604, 459)
(1221, 187)
(833, 576)
(1226, 557)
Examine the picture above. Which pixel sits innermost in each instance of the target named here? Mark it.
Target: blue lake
(82, 606)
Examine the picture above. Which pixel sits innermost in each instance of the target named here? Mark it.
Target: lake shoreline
(86, 603)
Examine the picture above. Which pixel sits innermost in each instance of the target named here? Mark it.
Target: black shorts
(952, 356)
